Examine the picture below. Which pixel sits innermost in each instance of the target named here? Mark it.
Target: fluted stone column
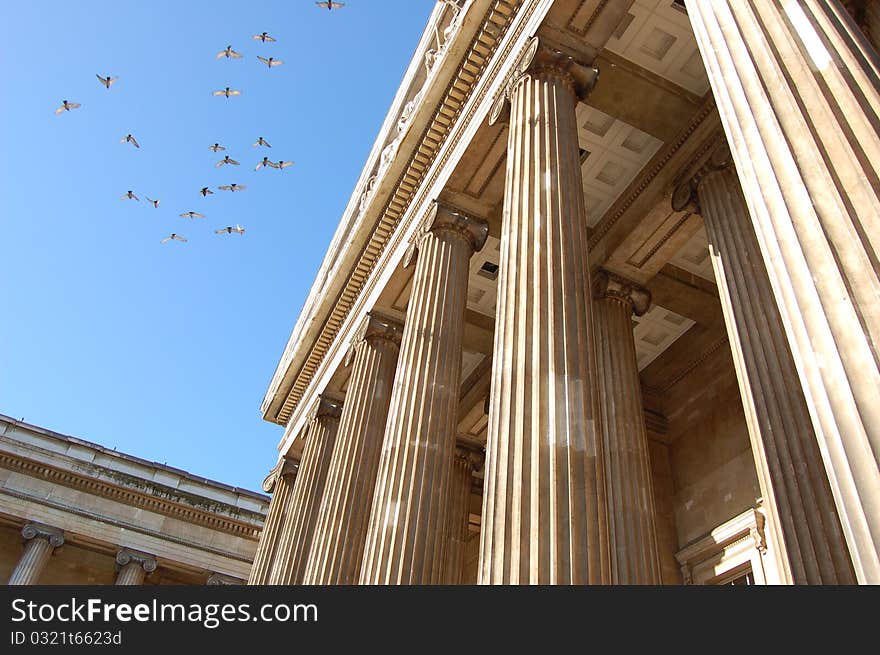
(40, 541)
(132, 567)
(466, 461)
(298, 530)
(405, 541)
(544, 518)
(796, 86)
(794, 485)
(279, 483)
(338, 544)
(629, 489)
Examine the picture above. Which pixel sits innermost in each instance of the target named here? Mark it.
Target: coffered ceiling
(657, 35)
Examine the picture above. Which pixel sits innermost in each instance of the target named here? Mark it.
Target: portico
(603, 301)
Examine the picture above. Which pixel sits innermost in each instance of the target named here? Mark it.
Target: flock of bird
(227, 53)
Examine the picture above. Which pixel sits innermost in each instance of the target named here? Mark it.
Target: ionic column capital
(127, 556)
(375, 325)
(685, 196)
(326, 405)
(543, 61)
(446, 218)
(607, 285)
(54, 536)
(285, 468)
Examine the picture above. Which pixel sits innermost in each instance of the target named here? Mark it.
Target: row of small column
(381, 497)
(40, 541)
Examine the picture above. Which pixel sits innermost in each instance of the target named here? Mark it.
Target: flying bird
(265, 162)
(174, 236)
(229, 52)
(129, 195)
(263, 37)
(129, 139)
(216, 147)
(226, 160)
(281, 164)
(330, 6)
(227, 92)
(192, 215)
(155, 203)
(67, 106)
(205, 191)
(232, 187)
(238, 229)
(106, 81)
(262, 142)
(271, 61)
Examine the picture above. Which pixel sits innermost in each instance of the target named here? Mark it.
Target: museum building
(602, 308)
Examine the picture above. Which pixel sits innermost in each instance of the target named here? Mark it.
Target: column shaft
(298, 530)
(405, 542)
(338, 545)
(131, 574)
(629, 488)
(796, 87)
(793, 479)
(544, 518)
(39, 543)
(33, 560)
(280, 484)
(457, 524)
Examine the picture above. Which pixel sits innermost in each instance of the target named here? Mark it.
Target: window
(734, 553)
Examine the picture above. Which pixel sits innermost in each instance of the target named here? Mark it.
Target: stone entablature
(108, 501)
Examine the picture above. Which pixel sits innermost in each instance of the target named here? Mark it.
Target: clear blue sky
(165, 351)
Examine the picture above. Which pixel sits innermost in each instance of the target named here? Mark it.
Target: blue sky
(165, 351)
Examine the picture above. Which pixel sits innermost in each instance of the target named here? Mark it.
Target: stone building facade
(76, 513)
(602, 308)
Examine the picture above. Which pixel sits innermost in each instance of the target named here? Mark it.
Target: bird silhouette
(228, 52)
(329, 6)
(226, 160)
(192, 215)
(232, 187)
(129, 195)
(216, 147)
(227, 92)
(261, 142)
(205, 191)
(174, 236)
(106, 81)
(281, 164)
(155, 203)
(270, 61)
(264, 36)
(129, 139)
(265, 162)
(238, 229)
(67, 106)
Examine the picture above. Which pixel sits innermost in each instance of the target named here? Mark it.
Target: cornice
(132, 498)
